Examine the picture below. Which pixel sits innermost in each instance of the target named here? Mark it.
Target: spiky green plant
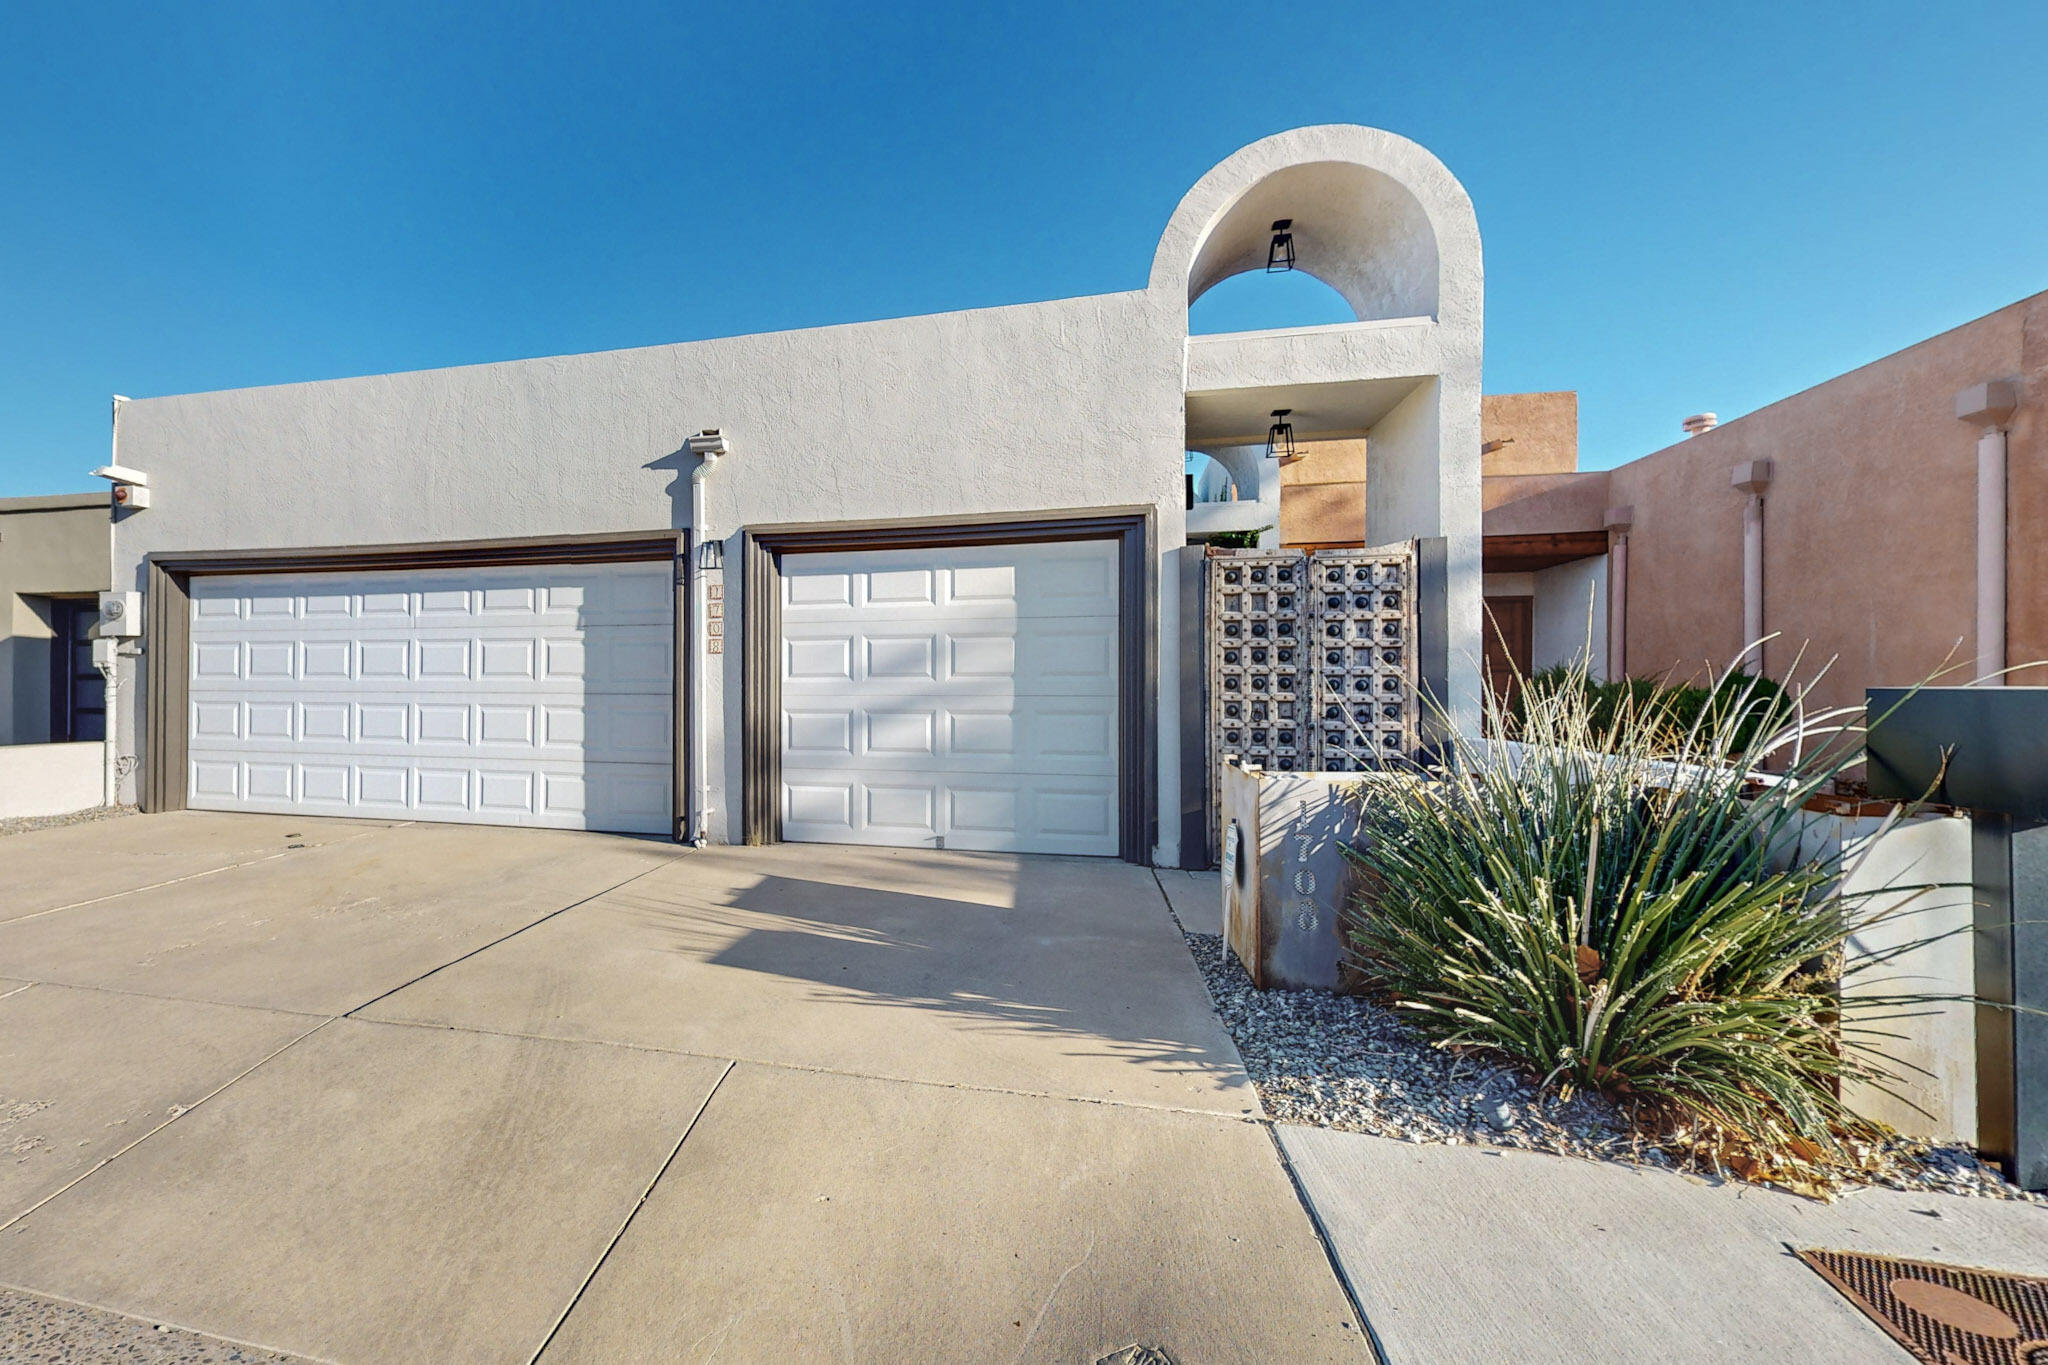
(1764, 704)
(1618, 903)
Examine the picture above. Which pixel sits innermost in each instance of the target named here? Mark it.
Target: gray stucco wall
(49, 547)
(1073, 404)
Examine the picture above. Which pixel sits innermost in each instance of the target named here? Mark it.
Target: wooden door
(1510, 630)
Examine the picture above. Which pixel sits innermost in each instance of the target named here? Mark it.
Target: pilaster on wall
(1425, 481)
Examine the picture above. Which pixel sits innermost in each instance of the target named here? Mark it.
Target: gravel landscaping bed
(1338, 1061)
(22, 824)
(33, 1328)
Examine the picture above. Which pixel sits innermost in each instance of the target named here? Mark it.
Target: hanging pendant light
(1280, 255)
(1280, 436)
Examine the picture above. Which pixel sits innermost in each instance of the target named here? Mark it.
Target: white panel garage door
(952, 698)
(536, 695)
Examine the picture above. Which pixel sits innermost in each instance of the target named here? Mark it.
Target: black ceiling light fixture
(1280, 255)
(1280, 436)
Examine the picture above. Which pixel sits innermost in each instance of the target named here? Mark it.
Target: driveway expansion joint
(1250, 1116)
(322, 1015)
(631, 1214)
(1315, 1220)
(193, 876)
(486, 947)
(127, 1147)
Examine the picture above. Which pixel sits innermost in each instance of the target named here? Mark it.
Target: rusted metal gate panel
(1312, 661)
(1366, 699)
(1257, 624)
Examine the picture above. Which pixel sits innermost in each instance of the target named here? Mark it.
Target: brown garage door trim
(168, 628)
(1137, 682)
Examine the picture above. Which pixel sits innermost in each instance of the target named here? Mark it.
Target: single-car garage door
(952, 698)
(531, 695)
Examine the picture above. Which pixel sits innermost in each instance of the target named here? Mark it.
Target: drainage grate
(1944, 1314)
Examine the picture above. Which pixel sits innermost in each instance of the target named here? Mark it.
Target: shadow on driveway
(987, 968)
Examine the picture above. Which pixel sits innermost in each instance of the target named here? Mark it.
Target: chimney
(1699, 422)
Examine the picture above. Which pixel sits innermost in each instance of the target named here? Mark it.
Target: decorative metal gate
(1312, 660)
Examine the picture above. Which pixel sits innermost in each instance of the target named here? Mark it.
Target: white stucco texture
(1074, 405)
(1570, 616)
(1383, 222)
(51, 779)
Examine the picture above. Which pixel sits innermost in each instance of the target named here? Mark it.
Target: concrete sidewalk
(1468, 1256)
(361, 1093)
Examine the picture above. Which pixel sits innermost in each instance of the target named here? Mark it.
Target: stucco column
(1753, 477)
(1619, 520)
(1990, 407)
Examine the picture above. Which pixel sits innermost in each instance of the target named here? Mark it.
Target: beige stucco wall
(1870, 522)
(1529, 433)
(1530, 480)
(1322, 495)
(49, 547)
(2026, 633)
(1531, 504)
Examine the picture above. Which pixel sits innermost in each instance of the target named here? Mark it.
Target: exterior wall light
(1280, 255)
(1280, 437)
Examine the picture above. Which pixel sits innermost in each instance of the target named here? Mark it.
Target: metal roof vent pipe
(1699, 422)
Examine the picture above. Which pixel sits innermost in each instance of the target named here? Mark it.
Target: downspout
(1618, 520)
(1753, 477)
(707, 446)
(1990, 407)
(108, 661)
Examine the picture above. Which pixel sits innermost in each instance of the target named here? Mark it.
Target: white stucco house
(927, 595)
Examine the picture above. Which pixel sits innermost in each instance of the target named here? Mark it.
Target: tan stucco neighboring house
(54, 563)
(1882, 524)
(1545, 554)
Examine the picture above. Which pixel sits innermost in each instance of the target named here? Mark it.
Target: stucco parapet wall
(865, 420)
(1530, 433)
(1535, 504)
(1396, 348)
(54, 502)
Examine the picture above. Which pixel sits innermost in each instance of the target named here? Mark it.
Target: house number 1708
(1304, 878)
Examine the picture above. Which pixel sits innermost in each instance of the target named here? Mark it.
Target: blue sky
(1684, 207)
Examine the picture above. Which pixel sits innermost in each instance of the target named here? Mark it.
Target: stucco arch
(1376, 217)
(1381, 221)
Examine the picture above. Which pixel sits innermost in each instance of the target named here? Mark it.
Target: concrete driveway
(358, 1092)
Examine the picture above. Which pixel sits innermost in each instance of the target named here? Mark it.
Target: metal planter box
(1285, 874)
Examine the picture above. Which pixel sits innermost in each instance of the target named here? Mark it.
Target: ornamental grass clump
(1618, 902)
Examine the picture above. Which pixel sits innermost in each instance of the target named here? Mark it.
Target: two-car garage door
(961, 697)
(528, 695)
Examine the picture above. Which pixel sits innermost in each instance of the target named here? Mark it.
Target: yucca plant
(1763, 704)
(1619, 902)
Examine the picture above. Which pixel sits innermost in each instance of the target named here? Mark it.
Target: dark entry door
(78, 705)
(1510, 636)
